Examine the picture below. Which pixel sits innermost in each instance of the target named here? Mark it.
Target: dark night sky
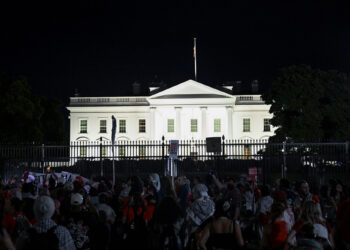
(101, 47)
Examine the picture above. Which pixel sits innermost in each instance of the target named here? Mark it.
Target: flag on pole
(194, 48)
(114, 128)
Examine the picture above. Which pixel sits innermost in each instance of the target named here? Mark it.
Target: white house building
(189, 110)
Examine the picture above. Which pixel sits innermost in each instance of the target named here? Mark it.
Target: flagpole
(195, 57)
(114, 128)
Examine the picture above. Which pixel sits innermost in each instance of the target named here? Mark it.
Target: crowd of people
(172, 213)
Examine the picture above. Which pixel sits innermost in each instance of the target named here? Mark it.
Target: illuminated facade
(189, 110)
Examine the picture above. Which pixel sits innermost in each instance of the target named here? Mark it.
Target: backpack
(42, 241)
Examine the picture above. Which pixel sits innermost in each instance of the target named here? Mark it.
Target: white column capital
(229, 107)
(178, 108)
(204, 108)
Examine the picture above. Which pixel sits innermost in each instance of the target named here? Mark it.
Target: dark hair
(277, 209)
(28, 188)
(167, 212)
(265, 190)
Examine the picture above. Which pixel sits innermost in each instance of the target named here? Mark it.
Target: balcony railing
(107, 101)
(249, 99)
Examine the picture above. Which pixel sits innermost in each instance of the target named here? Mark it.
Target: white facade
(172, 113)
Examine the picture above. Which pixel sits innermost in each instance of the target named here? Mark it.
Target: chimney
(255, 86)
(136, 88)
(76, 93)
(237, 86)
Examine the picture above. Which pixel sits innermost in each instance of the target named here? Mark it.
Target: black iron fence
(312, 161)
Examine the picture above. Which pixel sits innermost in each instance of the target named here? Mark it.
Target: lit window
(217, 125)
(103, 126)
(83, 151)
(142, 151)
(194, 125)
(246, 125)
(122, 126)
(247, 152)
(121, 150)
(171, 127)
(267, 126)
(83, 126)
(104, 151)
(142, 126)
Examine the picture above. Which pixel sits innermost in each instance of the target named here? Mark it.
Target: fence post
(346, 153)
(43, 157)
(101, 163)
(223, 146)
(163, 145)
(284, 167)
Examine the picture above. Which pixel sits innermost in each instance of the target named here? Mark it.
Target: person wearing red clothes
(276, 232)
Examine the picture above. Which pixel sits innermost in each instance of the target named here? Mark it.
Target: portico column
(204, 122)
(178, 123)
(229, 127)
(153, 123)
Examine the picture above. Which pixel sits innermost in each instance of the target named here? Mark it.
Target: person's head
(339, 188)
(44, 207)
(304, 188)
(199, 191)
(311, 212)
(277, 209)
(155, 181)
(180, 181)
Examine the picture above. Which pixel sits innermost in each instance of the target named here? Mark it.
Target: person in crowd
(230, 193)
(28, 198)
(166, 226)
(263, 208)
(328, 205)
(221, 232)
(311, 214)
(336, 191)
(276, 231)
(200, 210)
(44, 208)
(182, 189)
(134, 207)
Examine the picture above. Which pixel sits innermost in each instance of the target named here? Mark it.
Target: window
(122, 126)
(142, 151)
(104, 151)
(194, 125)
(217, 125)
(121, 150)
(142, 126)
(171, 127)
(103, 126)
(267, 126)
(247, 152)
(83, 151)
(246, 125)
(83, 126)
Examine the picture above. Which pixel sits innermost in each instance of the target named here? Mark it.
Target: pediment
(190, 89)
